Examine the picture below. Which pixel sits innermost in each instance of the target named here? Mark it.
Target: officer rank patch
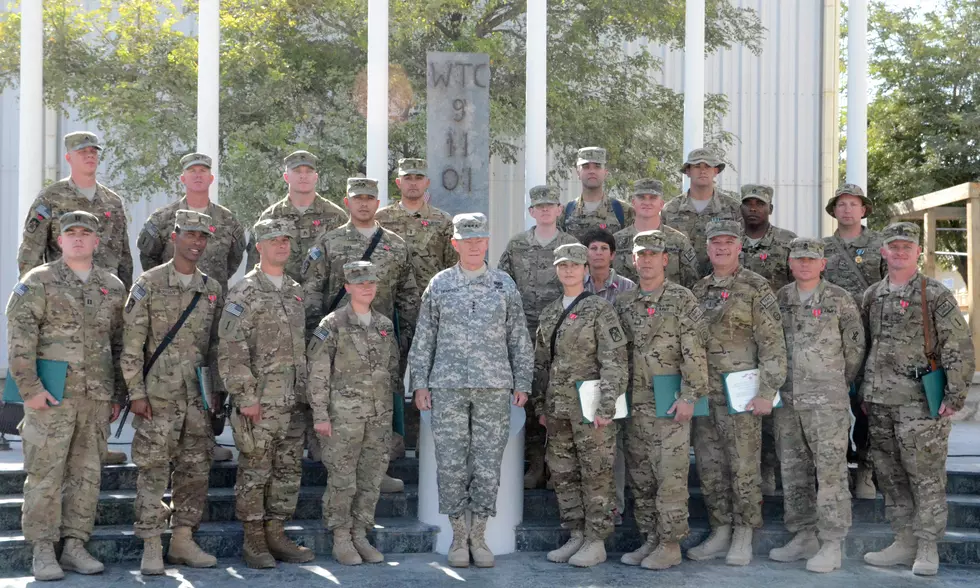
(235, 309)
(20, 289)
(945, 308)
(616, 334)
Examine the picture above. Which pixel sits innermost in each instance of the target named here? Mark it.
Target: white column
(857, 93)
(377, 96)
(30, 165)
(209, 85)
(693, 79)
(536, 116)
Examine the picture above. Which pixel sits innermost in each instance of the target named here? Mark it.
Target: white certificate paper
(741, 387)
(588, 396)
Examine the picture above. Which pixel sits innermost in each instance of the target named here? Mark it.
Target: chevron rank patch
(234, 309)
(20, 289)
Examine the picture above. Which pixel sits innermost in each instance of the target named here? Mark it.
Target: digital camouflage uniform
(580, 221)
(682, 260)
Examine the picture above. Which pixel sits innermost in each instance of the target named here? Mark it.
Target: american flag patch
(235, 309)
(315, 253)
(20, 289)
(151, 228)
(43, 211)
(138, 293)
(321, 333)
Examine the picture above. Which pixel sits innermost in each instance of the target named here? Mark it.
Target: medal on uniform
(212, 228)
(108, 214)
(859, 259)
(904, 304)
(383, 332)
(211, 299)
(817, 312)
(724, 294)
(651, 311)
(105, 291)
(572, 316)
(425, 223)
(603, 226)
(316, 223)
(763, 256)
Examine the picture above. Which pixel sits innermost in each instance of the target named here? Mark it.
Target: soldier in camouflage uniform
(908, 446)
(690, 213)
(825, 344)
(648, 202)
(745, 332)
(262, 360)
(588, 345)
(353, 361)
(594, 209)
(663, 324)
(467, 387)
(172, 425)
(528, 260)
(307, 214)
(66, 310)
(854, 262)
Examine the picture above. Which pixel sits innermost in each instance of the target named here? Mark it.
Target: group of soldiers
(313, 344)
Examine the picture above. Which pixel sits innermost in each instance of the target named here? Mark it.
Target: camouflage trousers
(470, 427)
(62, 446)
(908, 449)
(727, 450)
(658, 457)
(770, 454)
(581, 461)
(269, 476)
(178, 435)
(813, 453)
(356, 457)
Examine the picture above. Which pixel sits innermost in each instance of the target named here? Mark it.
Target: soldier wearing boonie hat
(594, 209)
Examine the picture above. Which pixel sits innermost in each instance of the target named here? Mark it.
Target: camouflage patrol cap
(654, 241)
(544, 195)
(572, 253)
(195, 159)
(358, 272)
(298, 158)
(81, 140)
(757, 191)
(703, 155)
(190, 220)
(470, 225)
(850, 190)
(591, 155)
(806, 247)
(271, 228)
(412, 166)
(901, 232)
(362, 187)
(648, 186)
(717, 228)
(79, 218)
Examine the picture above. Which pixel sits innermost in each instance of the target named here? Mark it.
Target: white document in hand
(588, 397)
(741, 387)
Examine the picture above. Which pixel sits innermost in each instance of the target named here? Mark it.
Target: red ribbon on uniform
(212, 298)
(763, 256)
(905, 304)
(817, 312)
(425, 223)
(212, 228)
(298, 298)
(383, 333)
(651, 311)
(108, 214)
(572, 316)
(316, 223)
(104, 291)
(602, 226)
(724, 295)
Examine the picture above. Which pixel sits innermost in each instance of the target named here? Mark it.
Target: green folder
(667, 389)
(52, 374)
(934, 385)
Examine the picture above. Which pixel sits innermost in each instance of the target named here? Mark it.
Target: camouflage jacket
(428, 233)
(221, 257)
(155, 304)
(825, 346)
(51, 314)
(41, 228)
(590, 345)
(261, 342)
(581, 221)
(353, 369)
(769, 257)
(680, 214)
(864, 252)
(745, 331)
(682, 260)
(893, 324)
(471, 334)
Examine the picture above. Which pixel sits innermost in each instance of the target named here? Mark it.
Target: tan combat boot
(635, 558)
(343, 548)
(364, 548)
(864, 486)
(282, 547)
(534, 478)
(902, 551)
(152, 563)
(45, 564)
(827, 559)
(592, 552)
(220, 453)
(390, 485)
(740, 553)
(570, 548)
(666, 555)
(114, 458)
(482, 556)
(459, 555)
(75, 558)
(803, 545)
(716, 545)
(255, 551)
(184, 551)
(926, 559)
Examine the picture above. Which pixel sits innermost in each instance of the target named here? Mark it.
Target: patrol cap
(544, 195)
(189, 220)
(757, 191)
(717, 228)
(654, 241)
(806, 247)
(470, 225)
(362, 187)
(271, 228)
(648, 186)
(850, 190)
(81, 140)
(195, 159)
(900, 232)
(358, 272)
(591, 155)
(703, 155)
(573, 253)
(298, 158)
(408, 166)
(79, 218)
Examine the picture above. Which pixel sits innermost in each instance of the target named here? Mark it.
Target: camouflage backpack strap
(850, 262)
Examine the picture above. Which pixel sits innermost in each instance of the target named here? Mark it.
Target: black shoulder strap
(561, 319)
(618, 211)
(169, 337)
(366, 257)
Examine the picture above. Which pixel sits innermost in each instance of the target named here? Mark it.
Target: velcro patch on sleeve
(945, 308)
(151, 228)
(696, 313)
(234, 309)
(321, 333)
(315, 253)
(138, 292)
(20, 289)
(616, 334)
(768, 300)
(43, 211)
(690, 255)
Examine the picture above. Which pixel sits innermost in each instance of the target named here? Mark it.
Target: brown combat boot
(254, 548)
(666, 555)
(45, 564)
(282, 547)
(459, 556)
(152, 563)
(482, 556)
(364, 548)
(864, 486)
(184, 551)
(75, 558)
(343, 549)
(220, 453)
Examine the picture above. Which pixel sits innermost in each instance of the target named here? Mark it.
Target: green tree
(290, 79)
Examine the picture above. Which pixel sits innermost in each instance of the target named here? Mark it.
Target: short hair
(600, 235)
